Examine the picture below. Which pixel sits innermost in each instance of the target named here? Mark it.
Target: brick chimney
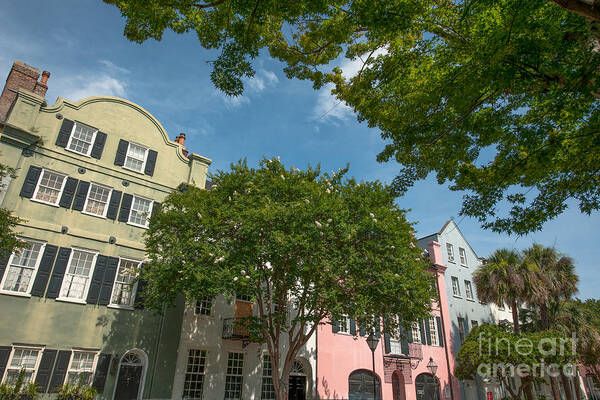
(181, 141)
(21, 76)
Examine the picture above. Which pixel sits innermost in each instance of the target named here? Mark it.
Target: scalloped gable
(120, 117)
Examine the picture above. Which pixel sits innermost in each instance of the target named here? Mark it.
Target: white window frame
(345, 325)
(456, 288)
(149, 212)
(133, 287)
(67, 147)
(417, 338)
(450, 252)
(12, 353)
(469, 290)
(89, 280)
(87, 198)
(94, 363)
(433, 331)
(236, 375)
(33, 274)
(263, 382)
(146, 150)
(199, 306)
(462, 254)
(195, 373)
(37, 188)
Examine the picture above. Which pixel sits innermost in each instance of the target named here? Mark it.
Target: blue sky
(81, 43)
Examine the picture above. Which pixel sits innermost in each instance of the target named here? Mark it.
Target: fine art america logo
(525, 349)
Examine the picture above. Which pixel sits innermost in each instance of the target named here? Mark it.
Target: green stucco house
(89, 175)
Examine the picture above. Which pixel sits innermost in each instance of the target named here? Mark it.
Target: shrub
(70, 391)
(20, 390)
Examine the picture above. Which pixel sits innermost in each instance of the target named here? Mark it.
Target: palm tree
(504, 278)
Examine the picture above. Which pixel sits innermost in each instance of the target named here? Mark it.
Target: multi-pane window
(461, 329)
(234, 377)
(344, 324)
(203, 306)
(194, 375)
(416, 333)
(455, 286)
(22, 358)
(49, 187)
(77, 276)
(97, 200)
(81, 368)
(122, 294)
(140, 211)
(474, 323)
(267, 391)
(243, 297)
(468, 290)
(463, 256)
(81, 139)
(433, 332)
(21, 268)
(136, 157)
(450, 250)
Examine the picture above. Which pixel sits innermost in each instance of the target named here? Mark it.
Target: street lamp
(372, 342)
(432, 366)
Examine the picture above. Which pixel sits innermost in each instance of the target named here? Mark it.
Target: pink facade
(341, 355)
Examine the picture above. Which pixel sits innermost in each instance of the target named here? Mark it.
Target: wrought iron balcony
(235, 328)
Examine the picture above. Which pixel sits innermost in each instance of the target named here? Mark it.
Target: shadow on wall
(156, 334)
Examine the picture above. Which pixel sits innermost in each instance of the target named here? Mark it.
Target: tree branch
(587, 9)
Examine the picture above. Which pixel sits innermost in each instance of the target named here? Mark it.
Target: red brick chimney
(181, 140)
(21, 76)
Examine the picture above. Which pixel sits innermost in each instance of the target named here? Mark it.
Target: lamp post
(432, 367)
(372, 342)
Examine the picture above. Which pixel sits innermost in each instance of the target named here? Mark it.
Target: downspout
(447, 344)
(154, 362)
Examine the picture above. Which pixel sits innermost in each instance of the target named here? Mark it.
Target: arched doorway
(360, 385)
(427, 387)
(132, 373)
(297, 382)
(398, 389)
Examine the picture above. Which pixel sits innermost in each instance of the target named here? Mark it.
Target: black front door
(297, 387)
(128, 384)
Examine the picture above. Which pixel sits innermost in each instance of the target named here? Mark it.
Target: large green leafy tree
(8, 222)
(497, 97)
(307, 247)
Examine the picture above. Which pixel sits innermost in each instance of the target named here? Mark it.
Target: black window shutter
(335, 326)
(423, 340)
(4, 354)
(43, 272)
(121, 152)
(60, 370)
(3, 263)
(427, 332)
(139, 293)
(64, 133)
(80, 196)
(108, 281)
(352, 326)
(125, 207)
(404, 346)
(30, 182)
(96, 282)
(98, 145)
(362, 330)
(438, 320)
(386, 342)
(101, 372)
(377, 327)
(150, 162)
(69, 191)
(58, 273)
(405, 338)
(42, 378)
(113, 204)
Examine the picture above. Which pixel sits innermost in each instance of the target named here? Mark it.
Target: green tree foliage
(8, 222)
(490, 351)
(307, 247)
(497, 97)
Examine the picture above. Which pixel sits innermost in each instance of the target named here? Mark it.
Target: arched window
(360, 385)
(427, 387)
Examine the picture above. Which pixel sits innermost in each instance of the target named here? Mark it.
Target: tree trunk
(567, 386)
(528, 388)
(544, 316)
(515, 314)
(555, 388)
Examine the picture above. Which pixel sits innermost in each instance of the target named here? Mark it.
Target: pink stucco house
(344, 361)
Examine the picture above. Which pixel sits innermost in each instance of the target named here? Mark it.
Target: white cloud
(112, 67)
(262, 80)
(81, 86)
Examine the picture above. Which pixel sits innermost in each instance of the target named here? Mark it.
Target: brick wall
(21, 76)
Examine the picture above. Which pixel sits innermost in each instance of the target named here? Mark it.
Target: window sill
(94, 215)
(456, 297)
(46, 202)
(136, 171)
(81, 154)
(119, 307)
(464, 265)
(68, 300)
(18, 294)
(344, 333)
(138, 225)
(473, 300)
